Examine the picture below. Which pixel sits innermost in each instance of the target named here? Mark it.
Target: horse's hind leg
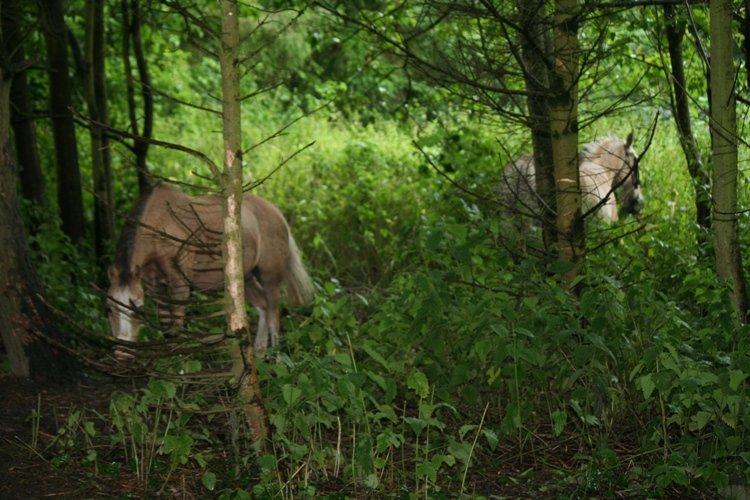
(254, 293)
(273, 296)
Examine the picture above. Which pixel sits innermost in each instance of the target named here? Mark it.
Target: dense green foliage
(433, 359)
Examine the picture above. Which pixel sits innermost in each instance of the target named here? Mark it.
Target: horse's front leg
(172, 309)
(180, 293)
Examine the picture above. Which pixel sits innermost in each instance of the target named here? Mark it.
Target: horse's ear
(137, 273)
(111, 274)
(629, 140)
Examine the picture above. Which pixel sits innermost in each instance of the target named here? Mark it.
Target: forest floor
(34, 472)
(26, 472)
(549, 468)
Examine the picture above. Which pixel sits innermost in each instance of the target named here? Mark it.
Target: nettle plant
(155, 430)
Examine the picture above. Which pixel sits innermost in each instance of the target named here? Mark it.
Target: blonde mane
(595, 149)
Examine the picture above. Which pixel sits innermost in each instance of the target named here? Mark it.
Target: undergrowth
(433, 360)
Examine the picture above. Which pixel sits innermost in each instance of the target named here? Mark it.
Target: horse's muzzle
(634, 205)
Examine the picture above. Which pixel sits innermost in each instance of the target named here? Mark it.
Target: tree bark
(534, 45)
(244, 369)
(100, 156)
(24, 133)
(22, 311)
(69, 197)
(132, 32)
(724, 133)
(681, 112)
(564, 129)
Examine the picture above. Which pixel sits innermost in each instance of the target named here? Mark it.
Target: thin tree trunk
(131, 22)
(24, 133)
(724, 132)
(22, 312)
(564, 128)
(147, 94)
(69, 197)
(681, 111)
(100, 157)
(534, 46)
(746, 43)
(249, 386)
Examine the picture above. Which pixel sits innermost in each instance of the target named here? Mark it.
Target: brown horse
(173, 241)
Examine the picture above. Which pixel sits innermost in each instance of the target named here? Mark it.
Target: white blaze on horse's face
(123, 303)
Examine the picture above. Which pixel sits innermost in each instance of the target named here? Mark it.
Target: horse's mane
(597, 148)
(125, 244)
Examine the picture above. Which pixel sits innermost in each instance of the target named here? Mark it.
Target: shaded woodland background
(440, 356)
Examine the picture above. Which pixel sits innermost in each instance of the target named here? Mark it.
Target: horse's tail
(298, 283)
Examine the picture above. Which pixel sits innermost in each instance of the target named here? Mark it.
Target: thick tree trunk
(245, 371)
(131, 22)
(681, 112)
(534, 47)
(564, 128)
(69, 197)
(22, 312)
(97, 107)
(24, 133)
(724, 132)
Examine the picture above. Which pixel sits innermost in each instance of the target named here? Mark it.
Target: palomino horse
(173, 241)
(608, 172)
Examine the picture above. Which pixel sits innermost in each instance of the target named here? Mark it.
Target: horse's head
(628, 178)
(124, 300)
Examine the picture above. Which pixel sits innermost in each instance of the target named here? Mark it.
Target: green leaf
(201, 460)
(209, 480)
(647, 385)
(178, 446)
(460, 450)
(192, 366)
(343, 358)
(559, 419)
(736, 377)
(700, 420)
(241, 495)
(427, 470)
(417, 381)
(464, 429)
(372, 481)
(491, 437)
(89, 428)
(290, 394)
(370, 350)
(416, 424)
(448, 460)
(162, 388)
